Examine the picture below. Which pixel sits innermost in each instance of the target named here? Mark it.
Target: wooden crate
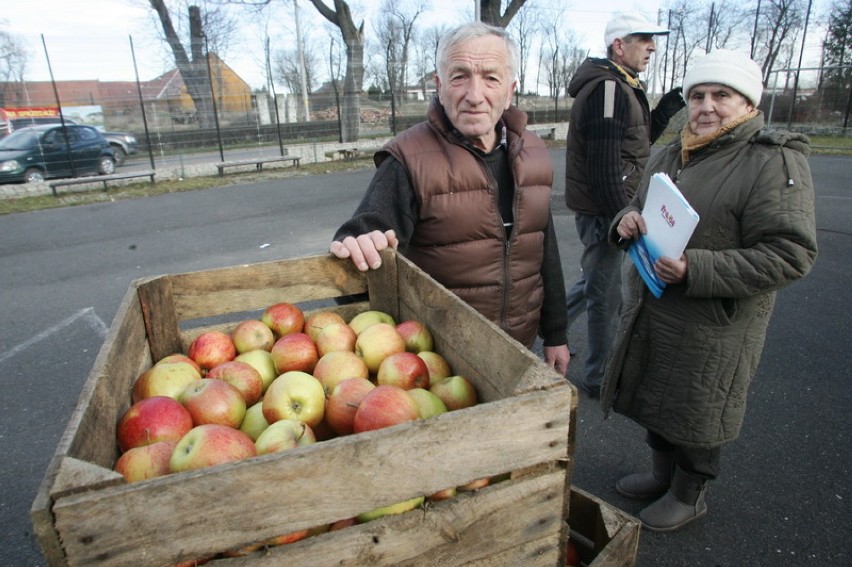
(523, 428)
(603, 535)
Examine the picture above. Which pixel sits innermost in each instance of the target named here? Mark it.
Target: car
(122, 143)
(42, 152)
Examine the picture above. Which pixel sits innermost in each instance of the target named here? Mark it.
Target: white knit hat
(623, 24)
(729, 68)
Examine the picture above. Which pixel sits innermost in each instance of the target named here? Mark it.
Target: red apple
(283, 318)
(368, 318)
(336, 336)
(455, 391)
(284, 539)
(437, 365)
(159, 418)
(262, 361)
(284, 434)
(316, 322)
(444, 494)
(294, 395)
(343, 402)
(344, 523)
(254, 423)
(428, 404)
(213, 401)
(164, 379)
(384, 406)
(337, 366)
(294, 351)
(252, 334)
(376, 343)
(242, 376)
(180, 357)
(212, 348)
(403, 369)
(416, 335)
(208, 445)
(148, 461)
(475, 484)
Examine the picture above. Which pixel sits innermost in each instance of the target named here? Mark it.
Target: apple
(437, 365)
(403, 369)
(164, 379)
(445, 494)
(316, 322)
(455, 391)
(211, 348)
(475, 484)
(252, 334)
(158, 418)
(284, 539)
(262, 361)
(335, 336)
(376, 343)
(384, 406)
(284, 434)
(368, 318)
(337, 366)
(241, 375)
(397, 508)
(147, 461)
(254, 423)
(283, 318)
(208, 445)
(572, 556)
(343, 402)
(344, 523)
(416, 335)
(428, 404)
(323, 431)
(214, 401)
(179, 357)
(294, 395)
(294, 351)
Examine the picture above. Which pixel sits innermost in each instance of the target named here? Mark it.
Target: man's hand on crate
(364, 249)
(558, 357)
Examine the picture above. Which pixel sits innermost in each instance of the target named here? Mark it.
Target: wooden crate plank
(325, 482)
(384, 285)
(605, 536)
(76, 476)
(158, 308)
(511, 523)
(256, 286)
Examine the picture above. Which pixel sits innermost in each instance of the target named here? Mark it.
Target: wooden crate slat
(324, 482)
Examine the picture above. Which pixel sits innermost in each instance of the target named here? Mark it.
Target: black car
(122, 143)
(41, 152)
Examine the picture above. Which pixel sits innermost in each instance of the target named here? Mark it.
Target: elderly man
(612, 129)
(466, 196)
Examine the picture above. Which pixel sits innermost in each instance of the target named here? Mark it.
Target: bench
(347, 154)
(99, 179)
(546, 133)
(257, 162)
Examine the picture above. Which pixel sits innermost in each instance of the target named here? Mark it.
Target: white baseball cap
(623, 24)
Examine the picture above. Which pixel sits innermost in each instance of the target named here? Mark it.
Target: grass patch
(144, 188)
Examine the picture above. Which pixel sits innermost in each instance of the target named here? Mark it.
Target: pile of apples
(282, 381)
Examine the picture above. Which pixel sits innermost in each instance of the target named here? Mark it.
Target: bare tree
(490, 11)
(353, 38)
(779, 22)
(193, 65)
(287, 68)
(525, 26)
(395, 32)
(13, 61)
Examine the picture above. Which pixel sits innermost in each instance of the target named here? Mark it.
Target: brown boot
(683, 503)
(649, 484)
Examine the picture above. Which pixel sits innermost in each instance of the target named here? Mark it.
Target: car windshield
(19, 140)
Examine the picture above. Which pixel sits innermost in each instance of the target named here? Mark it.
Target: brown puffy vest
(459, 238)
(635, 148)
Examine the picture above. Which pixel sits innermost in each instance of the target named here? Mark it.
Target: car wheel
(119, 153)
(33, 175)
(106, 166)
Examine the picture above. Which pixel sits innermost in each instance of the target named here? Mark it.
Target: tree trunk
(353, 37)
(489, 11)
(194, 71)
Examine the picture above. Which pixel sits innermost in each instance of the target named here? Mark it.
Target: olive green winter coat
(681, 365)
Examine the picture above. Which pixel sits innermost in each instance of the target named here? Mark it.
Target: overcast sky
(90, 39)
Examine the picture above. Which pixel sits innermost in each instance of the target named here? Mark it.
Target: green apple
(367, 319)
(294, 395)
(397, 508)
(284, 434)
(428, 404)
(376, 343)
(262, 362)
(254, 423)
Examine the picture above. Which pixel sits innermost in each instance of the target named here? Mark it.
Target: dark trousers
(702, 463)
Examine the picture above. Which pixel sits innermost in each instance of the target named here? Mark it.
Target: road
(783, 497)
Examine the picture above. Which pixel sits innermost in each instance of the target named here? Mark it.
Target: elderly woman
(681, 365)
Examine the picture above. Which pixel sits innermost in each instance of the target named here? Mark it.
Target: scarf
(691, 142)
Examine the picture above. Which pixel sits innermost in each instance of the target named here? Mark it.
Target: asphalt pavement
(784, 492)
